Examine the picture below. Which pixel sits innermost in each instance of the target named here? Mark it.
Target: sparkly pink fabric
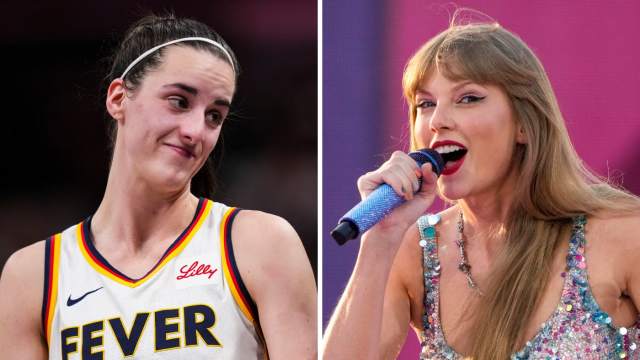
(578, 328)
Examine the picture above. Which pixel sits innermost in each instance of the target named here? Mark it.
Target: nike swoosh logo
(71, 302)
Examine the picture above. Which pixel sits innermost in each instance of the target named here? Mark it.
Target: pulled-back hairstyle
(147, 33)
(552, 187)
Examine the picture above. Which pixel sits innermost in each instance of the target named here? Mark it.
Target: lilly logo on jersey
(195, 269)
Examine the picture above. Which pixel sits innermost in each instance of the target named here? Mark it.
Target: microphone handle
(368, 213)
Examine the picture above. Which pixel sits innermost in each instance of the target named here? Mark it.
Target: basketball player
(157, 273)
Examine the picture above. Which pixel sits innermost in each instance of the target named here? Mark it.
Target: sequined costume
(577, 329)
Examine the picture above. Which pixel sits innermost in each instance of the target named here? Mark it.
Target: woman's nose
(192, 127)
(441, 118)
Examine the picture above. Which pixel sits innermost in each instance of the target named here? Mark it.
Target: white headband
(146, 53)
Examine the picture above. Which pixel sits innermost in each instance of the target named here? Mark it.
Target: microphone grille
(428, 155)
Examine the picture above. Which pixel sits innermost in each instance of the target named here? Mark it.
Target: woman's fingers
(400, 172)
(397, 179)
(412, 172)
(429, 180)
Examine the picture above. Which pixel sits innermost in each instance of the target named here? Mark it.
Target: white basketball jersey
(191, 305)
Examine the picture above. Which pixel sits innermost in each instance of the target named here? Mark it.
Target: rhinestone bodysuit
(577, 329)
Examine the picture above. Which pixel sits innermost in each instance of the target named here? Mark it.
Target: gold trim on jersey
(53, 272)
(225, 235)
(100, 268)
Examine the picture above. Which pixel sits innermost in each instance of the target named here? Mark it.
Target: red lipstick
(452, 163)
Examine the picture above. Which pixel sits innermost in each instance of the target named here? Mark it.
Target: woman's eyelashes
(421, 104)
(465, 99)
(179, 102)
(213, 117)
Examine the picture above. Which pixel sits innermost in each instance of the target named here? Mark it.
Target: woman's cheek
(422, 135)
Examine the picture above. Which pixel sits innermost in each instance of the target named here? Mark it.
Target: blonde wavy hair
(553, 185)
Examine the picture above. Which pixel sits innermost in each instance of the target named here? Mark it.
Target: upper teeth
(445, 149)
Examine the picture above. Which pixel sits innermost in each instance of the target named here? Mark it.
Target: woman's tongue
(452, 163)
(454, 159)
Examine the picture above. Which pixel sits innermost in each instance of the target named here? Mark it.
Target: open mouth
(454, 155)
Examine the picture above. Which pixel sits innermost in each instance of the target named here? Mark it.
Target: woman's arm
(373, 314)
(277, 273)
(21, 287)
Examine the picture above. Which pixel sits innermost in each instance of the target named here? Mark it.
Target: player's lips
(181, 150)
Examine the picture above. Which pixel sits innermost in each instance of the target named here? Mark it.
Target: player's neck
(137, 215)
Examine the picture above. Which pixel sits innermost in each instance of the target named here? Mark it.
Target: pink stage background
(590, 51)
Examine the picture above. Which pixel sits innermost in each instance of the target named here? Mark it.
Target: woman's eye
(214, 117)
(179, 102)
(425, 104)
(467, 99)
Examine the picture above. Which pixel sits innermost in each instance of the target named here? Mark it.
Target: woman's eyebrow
(222, 102)
(190, 89)
(454, 88)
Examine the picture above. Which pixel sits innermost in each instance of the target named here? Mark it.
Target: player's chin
(171, 179)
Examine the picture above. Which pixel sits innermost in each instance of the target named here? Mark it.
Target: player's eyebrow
(190, 89)
(222, 102)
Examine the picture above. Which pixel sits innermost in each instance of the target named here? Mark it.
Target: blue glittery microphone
(380, 202)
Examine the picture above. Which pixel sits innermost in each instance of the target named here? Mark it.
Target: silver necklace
(463, 264)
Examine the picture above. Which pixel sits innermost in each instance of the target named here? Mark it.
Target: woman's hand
(416, 184)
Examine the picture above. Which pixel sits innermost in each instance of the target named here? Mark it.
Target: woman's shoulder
(270, 257)
(615, 228)
(21, 297)
(260, 239)
(26, 263)
(407, 266)
(613, 239)
(409, 256)
(263, 227)
(22, 279)
(446, 218)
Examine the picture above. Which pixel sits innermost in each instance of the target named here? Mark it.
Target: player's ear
(116, 95)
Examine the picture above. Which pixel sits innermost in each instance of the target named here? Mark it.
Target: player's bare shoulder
(21, 288)
(267, 249)
(260, 229)
(23, 274)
